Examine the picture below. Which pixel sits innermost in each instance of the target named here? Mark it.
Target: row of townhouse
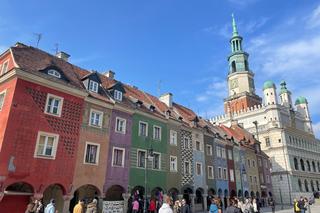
(68, 133)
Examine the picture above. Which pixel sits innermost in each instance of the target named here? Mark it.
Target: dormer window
(118, 95)
(152, 108)
(93, 86)
(54, 73)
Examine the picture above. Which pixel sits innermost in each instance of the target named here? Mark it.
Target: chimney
(63, 55)
(110, 74)
(167, 99)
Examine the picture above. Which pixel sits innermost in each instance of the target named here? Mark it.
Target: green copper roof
(301, 100)
(268, 84)
(234, 27)
(283, 88)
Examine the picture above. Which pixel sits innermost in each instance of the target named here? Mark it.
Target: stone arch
(56, 192)
(296, 164)
(302, 165)
(199, 193)
(173, 192)
(22, 187)
(138, 191)
(211, 192)
(87, 192)
(155, 192)
(219, 192)
(187, 191)
(246, 194)
(114, 193)
(233, 193)
(306, 185)
(252, 194)
(240, 193)
(257, 194)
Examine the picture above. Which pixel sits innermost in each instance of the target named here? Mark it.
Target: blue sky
(181, 44)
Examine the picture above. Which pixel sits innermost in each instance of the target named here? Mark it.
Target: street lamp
(149, 156)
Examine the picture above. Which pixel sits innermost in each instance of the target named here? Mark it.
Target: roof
(301, 100)
(268, 84)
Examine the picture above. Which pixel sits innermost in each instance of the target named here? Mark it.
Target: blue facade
(245, 183)
(220, 167)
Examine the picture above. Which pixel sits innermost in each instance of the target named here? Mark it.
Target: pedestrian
(213, 206)
(135, 206)
(306, 204)
(32, 206)
(248, 208)
(296, 208)
(152, 206)
(40, 207)
(185, 208)
(232, 208)
(255, 205)
(165, 208)
(92, 207)
(51, 207)
(177, 207)
(79, 207)
(272, 205)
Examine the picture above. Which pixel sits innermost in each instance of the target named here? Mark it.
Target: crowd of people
(36, 206)
(302, 205)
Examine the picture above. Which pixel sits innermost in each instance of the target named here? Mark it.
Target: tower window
(246, 66)
(233, 66)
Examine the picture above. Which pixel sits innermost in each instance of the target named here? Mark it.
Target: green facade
(155, 178)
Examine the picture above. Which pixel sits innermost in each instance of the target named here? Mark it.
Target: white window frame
(145, 156)
(231, 171)
(158, 153)
(154, 132)
(219, 152)
(4, 93)
(174, 135)
(188, 168)
(210, 148)
(225, 173)
(55, 97)
(117, 95)
(95, 86)
(124, 125)
(3, 71)
(97, 156)
(223, 153)
(210, 176)
(101, 118)
(54, 73)
(123, 156)
(176, 163)
(220, 173)
(54, 147)
(184, 142)
(198, 142)
(142, 122)
(198, 163)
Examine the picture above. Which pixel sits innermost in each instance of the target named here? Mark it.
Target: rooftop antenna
(159, 88)
(56, 49)
(38, 36)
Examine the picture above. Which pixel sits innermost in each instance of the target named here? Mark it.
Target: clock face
(234, 83)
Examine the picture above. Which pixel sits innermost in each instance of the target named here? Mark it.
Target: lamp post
(147, 157)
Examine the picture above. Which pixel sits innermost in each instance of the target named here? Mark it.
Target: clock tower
(241, 89)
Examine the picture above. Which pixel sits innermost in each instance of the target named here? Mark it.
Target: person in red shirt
(152, 206)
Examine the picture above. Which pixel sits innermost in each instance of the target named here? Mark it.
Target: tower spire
(234, 27)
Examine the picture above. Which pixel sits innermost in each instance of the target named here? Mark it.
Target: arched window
(246, 65)
(306, 185)
(302, 165)
(54, 73)
(318, 188)
(233, 67)
(300, 185)
(312, 186)
(296, 166)
(313, 166)
(309, 167)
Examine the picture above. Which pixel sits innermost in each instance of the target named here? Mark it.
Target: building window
(296, 167)
(117, 95)
(302, 165)
(210, 172)
(91, 153)
(248, 163)
(93, 86)
(251, 180)
(46, 146)
(260, 162)
(306, 185)
(267, 140)
(300, 185)
(209, 150)
(225, 177)
(54, 73)
(219, 172)
(253, 163)
(313, 164)
(118, 156)
(186, 143)
(261, 178)
(255, 179)
(173, 137)
(230, 154)
(156, 161)
(121, 125)
(173, 164)
(198, 168)
(218, 151)
(53, 105)
(198, 146)
(157, 133)
(141, 159)
(308, 165)
(96, 118)
(231, 175)
(4, 67)
(187, 169)
(143, 129)
(2, 96)
(223, 153)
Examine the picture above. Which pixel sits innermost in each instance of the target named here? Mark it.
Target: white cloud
(242, 3)
(314, 19)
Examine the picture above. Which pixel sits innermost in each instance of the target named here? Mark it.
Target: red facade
(23, 110)
(230, 162)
